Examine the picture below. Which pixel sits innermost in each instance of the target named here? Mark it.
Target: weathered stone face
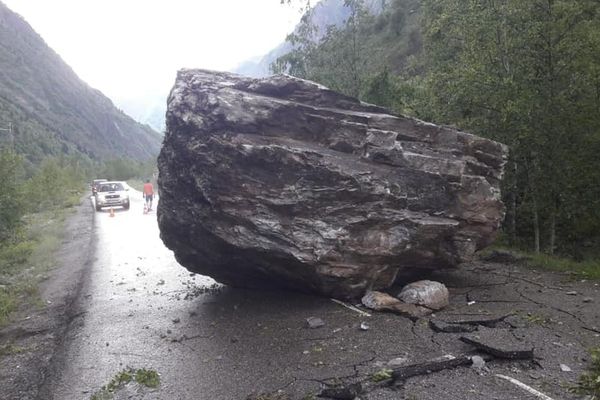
(280, 181)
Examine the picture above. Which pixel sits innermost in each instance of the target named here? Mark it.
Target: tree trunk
(552, 232)
(536, 226)
(513, 208)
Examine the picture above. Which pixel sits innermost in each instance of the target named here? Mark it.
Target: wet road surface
(139, 308)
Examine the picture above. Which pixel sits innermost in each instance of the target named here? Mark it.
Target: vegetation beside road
(588, 268)
(589, 381)
(33, 210)
(144, 377)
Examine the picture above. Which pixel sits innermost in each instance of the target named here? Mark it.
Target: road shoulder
(32, 340)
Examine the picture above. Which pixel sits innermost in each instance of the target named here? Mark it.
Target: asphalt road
(138, 308)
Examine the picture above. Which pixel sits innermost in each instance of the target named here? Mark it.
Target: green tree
(337, 58)
(521, 72)
(11, 204)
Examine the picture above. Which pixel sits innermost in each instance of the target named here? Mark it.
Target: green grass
(27, 261)
(13, 256)
(588, 269)
(10, 349)
(147, 377)
(8, 303)
(382, 375)
(589, 381)
(538, 319)
(142, 376)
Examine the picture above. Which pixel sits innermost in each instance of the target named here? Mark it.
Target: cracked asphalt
(139, 308)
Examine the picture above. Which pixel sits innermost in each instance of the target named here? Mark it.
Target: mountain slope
(324, 14)
(54, 112)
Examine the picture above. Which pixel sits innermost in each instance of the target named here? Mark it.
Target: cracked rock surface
(282, 182)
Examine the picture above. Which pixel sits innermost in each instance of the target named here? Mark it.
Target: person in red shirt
(148, 194)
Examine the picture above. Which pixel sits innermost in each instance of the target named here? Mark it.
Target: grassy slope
(25, 264)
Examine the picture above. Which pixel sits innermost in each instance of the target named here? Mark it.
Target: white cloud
(132, 48)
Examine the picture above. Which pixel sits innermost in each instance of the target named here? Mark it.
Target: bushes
(53, 186)
(121, 169)
(12, 255)
(7, 303)
(25, 244)
(589, 382)
(11, 195)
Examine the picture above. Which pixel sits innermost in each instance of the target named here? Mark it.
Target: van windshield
(110, 187)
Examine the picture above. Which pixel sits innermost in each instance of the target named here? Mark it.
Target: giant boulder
(282, 182)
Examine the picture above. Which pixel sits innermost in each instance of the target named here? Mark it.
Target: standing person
(148, 193)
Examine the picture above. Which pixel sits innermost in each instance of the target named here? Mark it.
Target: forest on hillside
(525, 73)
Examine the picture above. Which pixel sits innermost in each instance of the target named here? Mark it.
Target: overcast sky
(130, 48)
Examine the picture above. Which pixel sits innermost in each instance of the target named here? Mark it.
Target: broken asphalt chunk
(443, 327)
(485, 320)
(349, 392)
(500, 343)
(434, 365)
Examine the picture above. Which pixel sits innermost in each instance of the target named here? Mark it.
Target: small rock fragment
(426, 293)
(535, 375)
(364, 326)
(478, 363)
(565, 368)
(587, 300)
(314, 322)
(384, 302)
(379, 301)
(571, 293)
(176, 320)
